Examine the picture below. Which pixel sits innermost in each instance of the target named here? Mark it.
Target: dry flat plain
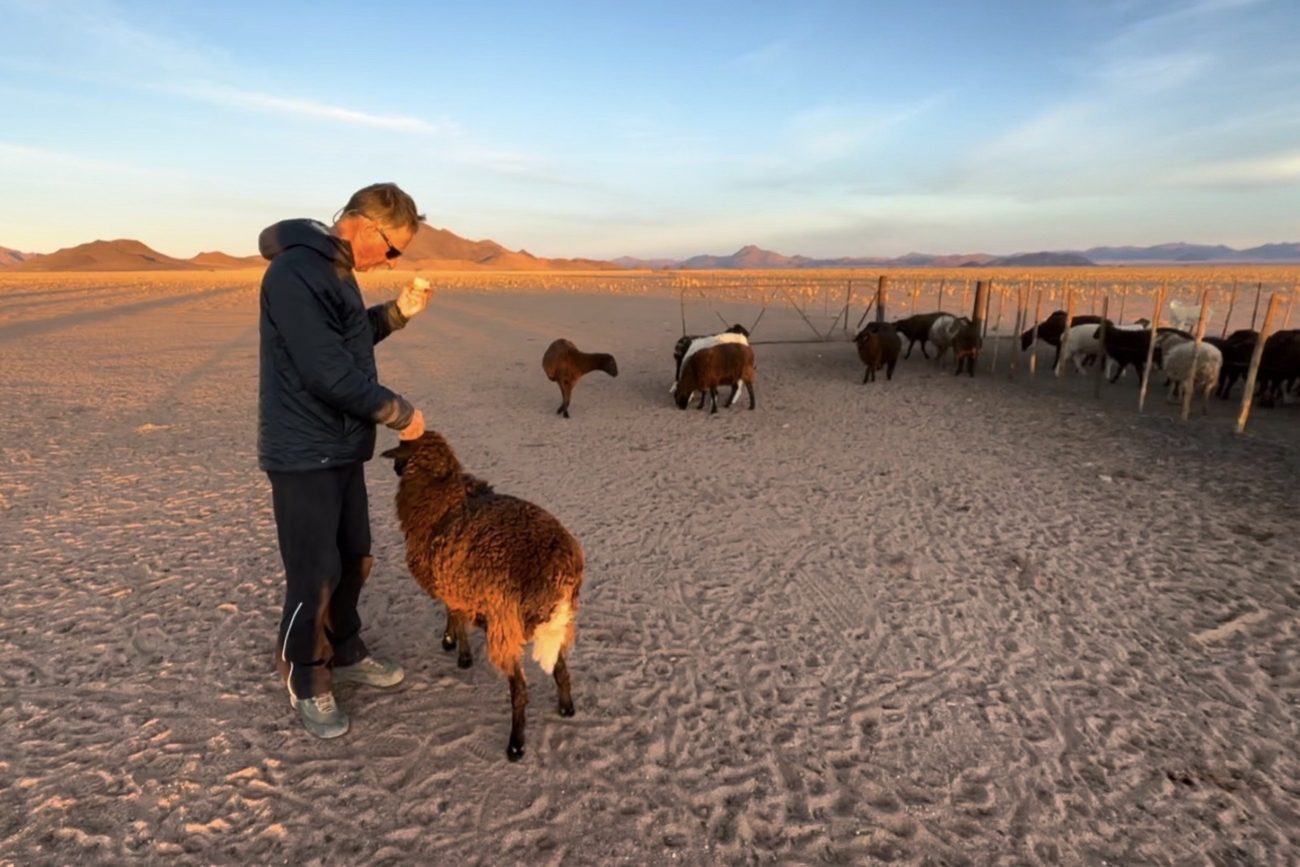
(933, 620)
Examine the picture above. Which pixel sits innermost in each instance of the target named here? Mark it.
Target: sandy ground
(932, 621)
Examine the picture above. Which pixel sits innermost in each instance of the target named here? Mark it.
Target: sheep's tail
(555, 635)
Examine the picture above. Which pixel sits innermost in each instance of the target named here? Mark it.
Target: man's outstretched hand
(415, 429)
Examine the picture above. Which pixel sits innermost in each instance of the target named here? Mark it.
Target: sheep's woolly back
(564, 361)
(1178, 363)
(708, 342)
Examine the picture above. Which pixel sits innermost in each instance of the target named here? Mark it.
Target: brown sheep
(724, 364)
(494, 560)
(566, 364)
(878, 346)
(966, 345)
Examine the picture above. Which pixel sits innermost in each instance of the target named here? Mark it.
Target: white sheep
(1178, 358)
(1081, 342)
(1185, 316)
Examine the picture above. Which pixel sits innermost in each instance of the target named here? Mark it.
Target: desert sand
(933, 620)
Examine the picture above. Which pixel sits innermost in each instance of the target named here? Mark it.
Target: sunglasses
(392, 252)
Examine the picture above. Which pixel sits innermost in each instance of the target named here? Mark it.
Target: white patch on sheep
(549, 637)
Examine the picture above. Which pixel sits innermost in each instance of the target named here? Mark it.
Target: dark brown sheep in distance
(565, 364)
(724, 364)
(878, 346)
(492, 559)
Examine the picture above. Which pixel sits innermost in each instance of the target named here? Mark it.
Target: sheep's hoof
(448, 643)
(464, 661)
(565, 413)
(514, 753)
(566, 710)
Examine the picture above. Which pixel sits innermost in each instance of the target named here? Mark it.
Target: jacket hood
(278, 237)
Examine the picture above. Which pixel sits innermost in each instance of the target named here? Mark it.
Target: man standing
(319, 400)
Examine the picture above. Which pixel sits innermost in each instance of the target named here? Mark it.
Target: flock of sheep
(512, 568)
(705, 362)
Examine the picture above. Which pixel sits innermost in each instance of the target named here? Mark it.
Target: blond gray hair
(386, 204)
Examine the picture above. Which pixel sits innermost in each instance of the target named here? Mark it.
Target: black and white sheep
(692, 343)
(1052, 329)
(916, 328)
(705, 370)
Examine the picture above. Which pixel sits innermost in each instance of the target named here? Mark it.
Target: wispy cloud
(1267, 170)
(266, 102)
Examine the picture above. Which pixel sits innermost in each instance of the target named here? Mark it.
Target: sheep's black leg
(564, 687)
(518, 701)
(713, 394)
(910, 344)
(867, 375)
(566, 389)
(889, 370)
(752, 398)
(735, 390)
(464, 657)
(704, 395)
(449, 633)
(924, 354)
(1057, 358)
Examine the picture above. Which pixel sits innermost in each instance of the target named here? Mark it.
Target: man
(319, 400)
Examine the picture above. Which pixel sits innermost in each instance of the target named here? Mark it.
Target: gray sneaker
(371, 672)
(322, 716)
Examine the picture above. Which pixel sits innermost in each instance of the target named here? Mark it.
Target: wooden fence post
(1190, 386)
(1252, 372)
(1151, 347)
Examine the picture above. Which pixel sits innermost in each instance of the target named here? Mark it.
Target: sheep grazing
(916, 328)
(709, 368)
(878, 346)
(690, 344)
(565, 364)
(1052, 329)
(942, 332)
(494, 560)
(1189, 366)
(966, 345)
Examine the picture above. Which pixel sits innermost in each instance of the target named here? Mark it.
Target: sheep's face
(682, 397)
(610, 366)
(430, 454)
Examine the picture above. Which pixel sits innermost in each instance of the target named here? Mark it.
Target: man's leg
(352, 661)
(344, 625)
(307, 507)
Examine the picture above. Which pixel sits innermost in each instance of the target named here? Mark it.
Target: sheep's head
(431, 455)
(738, 329)
(609, 365)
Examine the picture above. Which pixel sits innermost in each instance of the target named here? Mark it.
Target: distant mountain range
(440, 249)
(755, 257)
(432, 248)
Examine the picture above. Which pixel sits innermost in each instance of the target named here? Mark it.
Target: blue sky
(658, 129)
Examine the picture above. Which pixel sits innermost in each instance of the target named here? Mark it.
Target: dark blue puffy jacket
(319, 396)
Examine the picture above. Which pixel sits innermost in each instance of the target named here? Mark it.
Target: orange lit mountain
(119, 255)
(219, 260)
(9, 258)
(439, 249)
